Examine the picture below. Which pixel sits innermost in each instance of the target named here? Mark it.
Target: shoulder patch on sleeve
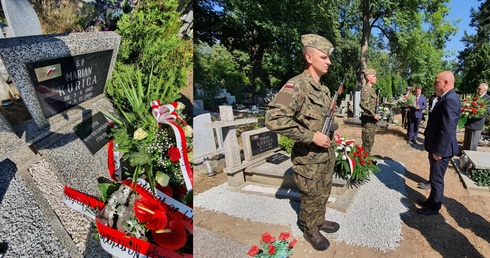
(289, 85)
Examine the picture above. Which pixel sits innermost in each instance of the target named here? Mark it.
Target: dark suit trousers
(413, 128)
(436, 179)
(471, 139)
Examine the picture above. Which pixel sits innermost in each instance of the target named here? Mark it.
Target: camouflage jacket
(299, 110)
(368, 101)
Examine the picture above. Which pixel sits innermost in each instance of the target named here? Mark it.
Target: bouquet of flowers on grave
(272, 247)
(472, 107)
(147, 206)
(405, 101)
(352, 163)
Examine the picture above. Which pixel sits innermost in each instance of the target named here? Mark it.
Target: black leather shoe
(425, 186)
(427, 211)
(317, 240)
(329, 227)
(414, 142)
(422, 203)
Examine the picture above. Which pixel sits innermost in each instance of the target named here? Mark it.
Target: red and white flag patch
(289, 86)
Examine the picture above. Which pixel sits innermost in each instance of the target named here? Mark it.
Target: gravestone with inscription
(65, 82)
(57, 72)
(61, 79)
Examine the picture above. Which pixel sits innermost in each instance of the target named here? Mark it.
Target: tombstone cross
(230, 143)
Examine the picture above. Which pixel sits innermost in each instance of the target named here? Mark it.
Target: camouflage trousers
(314, 193)
(368, 132)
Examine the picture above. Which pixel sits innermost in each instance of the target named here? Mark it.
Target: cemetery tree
(216, 67)
(396, 21)
(265, 30)
(473, 59)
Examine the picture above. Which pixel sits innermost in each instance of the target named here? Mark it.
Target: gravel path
(373, 218)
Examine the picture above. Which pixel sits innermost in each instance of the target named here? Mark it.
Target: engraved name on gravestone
(263, 142)
(93, 132)
(65, 82)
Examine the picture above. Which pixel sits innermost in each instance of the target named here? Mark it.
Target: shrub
(481, 176)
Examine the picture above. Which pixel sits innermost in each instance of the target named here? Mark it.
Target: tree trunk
(257, 55)
(366, 33)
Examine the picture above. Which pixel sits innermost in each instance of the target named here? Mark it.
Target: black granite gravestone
(93, 132)
(263, 142)
(65, 82)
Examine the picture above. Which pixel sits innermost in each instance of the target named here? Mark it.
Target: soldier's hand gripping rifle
(331, 111)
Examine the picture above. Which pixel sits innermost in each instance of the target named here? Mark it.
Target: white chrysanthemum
(340, 147)
(336, 154)
(344, 157)
(348, 149)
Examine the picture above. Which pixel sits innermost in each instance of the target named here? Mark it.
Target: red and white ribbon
(350, 161)
(165, 115)
(115, 242)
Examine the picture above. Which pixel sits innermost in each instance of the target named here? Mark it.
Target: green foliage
(481, 176)
(473, 60)
(151, 41)
(286, 143)
(216, 67)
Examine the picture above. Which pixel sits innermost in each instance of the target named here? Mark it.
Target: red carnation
(482, 104)
(272, 249)
(284, 236)
(473, 104)
(267, 238)
(253, 251)
(292, 243)
(475, 98)
(174, 153)
(363, 162)
(465, 100)
(366, 154)
(473, 111)
(370, 162)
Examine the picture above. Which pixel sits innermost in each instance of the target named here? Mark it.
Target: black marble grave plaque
(93, 132)
(68, 81)
(263, 142)
(277, 158)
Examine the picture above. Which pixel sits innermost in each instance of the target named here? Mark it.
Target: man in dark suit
(440, 139)
(474, 126)
(415, 115)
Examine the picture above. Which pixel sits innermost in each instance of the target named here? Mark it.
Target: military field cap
(409, 88)
(369, 71)
(318, 42)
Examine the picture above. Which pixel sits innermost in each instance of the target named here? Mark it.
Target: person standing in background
(440, 139)
(404, 109)
(415, 115)
(474, 126)
(369, 118)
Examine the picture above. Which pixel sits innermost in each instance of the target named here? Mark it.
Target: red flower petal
(292, 243)
(253, 251)
(284, 236)
(272, 249)
(267, 238)
(173, 240)
(150, 212)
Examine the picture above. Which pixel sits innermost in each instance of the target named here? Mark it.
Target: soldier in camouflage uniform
(298, 111)
(369, 117)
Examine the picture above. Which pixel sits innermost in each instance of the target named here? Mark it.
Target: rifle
(331, 111)
(376, 109)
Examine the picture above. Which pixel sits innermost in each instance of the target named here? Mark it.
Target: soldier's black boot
(317, 240)
(329, 227)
